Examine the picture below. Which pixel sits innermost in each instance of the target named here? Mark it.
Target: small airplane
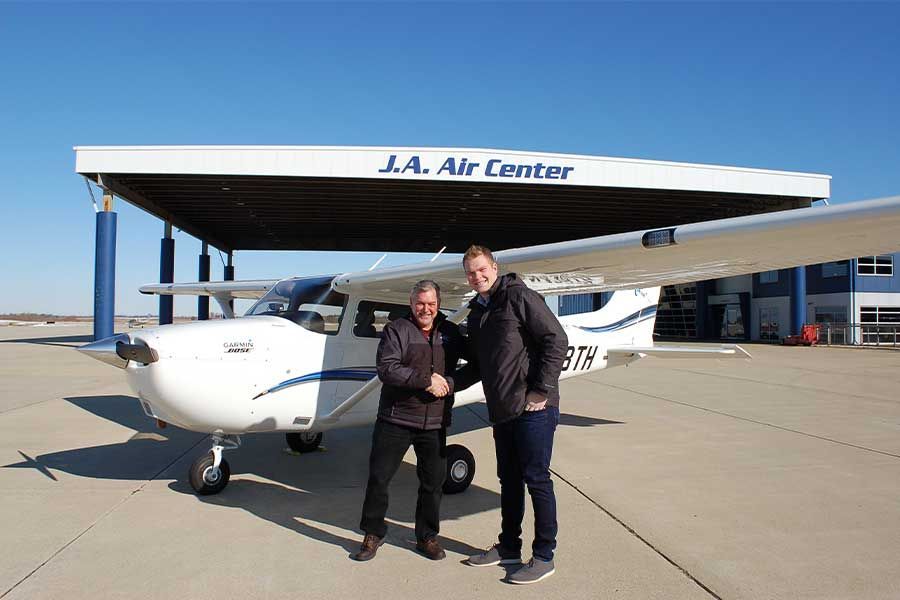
(301, 360)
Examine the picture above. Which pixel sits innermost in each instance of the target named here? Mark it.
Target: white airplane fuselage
(267, 373)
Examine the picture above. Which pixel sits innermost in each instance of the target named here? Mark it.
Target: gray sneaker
(495, 555)
(534, 571)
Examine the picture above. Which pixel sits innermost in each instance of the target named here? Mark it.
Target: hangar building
(372, 199)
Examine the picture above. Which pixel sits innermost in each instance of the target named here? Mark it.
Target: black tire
(460, 469)
(303, 442)
(204, 481)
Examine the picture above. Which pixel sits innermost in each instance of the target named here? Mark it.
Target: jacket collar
(498, 288)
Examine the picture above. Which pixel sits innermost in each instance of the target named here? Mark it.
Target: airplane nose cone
(105, 350)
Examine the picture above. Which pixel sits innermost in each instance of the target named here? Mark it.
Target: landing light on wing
(659, 238)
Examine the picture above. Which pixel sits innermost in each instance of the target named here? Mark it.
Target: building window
(832, 321)
(768, 277)
(880, 324)
(882, 265)
(768, 323)
(834, 269)
(831, 314)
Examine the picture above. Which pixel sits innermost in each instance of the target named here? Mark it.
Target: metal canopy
(241, 210)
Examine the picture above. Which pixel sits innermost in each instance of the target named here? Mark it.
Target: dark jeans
(389, 443)
(524, 446)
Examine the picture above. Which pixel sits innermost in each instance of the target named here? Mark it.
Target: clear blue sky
(808, 87)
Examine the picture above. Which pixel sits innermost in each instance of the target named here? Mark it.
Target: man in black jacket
(518, 347)
(414, 355)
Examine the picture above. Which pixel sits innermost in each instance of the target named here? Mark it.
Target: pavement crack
(645, 541)
(749, 420)
(624, 525)
(97, 521)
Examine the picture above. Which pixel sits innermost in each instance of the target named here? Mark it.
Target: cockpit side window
(308, 302)
(371, 317)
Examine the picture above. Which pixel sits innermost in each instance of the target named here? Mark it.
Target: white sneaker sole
(541, 578)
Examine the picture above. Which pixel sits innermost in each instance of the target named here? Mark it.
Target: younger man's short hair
(475, 251)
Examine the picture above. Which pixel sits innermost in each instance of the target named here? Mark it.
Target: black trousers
(389, 443)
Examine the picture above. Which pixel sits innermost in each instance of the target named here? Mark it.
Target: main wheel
(206, 479)
(303, 442)
(460, 469)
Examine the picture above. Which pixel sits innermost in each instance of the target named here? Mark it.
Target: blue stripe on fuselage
(346, 374)
(638, 317)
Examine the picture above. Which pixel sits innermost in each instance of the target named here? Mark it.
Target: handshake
(439, 386)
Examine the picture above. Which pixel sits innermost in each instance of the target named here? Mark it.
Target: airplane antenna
(441, 251)
(378, 262)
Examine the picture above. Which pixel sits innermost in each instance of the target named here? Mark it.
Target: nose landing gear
(303, 441)
(209, 474)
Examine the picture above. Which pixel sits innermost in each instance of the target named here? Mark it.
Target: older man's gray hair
(424, 286)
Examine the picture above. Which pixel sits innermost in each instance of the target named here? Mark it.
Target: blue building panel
(781, 287)
(880, 283)
(828, 278)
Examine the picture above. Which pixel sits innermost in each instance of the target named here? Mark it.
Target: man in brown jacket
(414, 355)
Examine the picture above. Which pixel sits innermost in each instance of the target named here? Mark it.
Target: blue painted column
(798, 299)
(105, 272)
(203, 275)
(166, 274)
(229, 275)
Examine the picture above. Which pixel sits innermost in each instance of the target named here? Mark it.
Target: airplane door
(359, 360)
(369, 320)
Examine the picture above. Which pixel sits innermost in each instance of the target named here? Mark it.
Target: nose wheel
(303, 441)
(209, 474)
(460, 469)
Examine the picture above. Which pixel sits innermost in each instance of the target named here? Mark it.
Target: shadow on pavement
(63, 340)
(312, 494)
(317, 511)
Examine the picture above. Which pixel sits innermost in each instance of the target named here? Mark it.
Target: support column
(166, 273)
(798, 299)
(105, 270)
(701, 306)
(203, 275)
(229, 275)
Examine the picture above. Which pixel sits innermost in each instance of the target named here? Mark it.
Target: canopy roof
(421, 199)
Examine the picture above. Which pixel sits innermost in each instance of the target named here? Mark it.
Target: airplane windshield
(309, 302)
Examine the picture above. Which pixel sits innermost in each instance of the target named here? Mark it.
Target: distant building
(858, 299)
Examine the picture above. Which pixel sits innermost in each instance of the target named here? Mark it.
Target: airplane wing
(664, 256)
(250, 289)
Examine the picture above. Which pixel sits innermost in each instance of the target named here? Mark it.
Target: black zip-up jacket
(516, 345)
(405, 362)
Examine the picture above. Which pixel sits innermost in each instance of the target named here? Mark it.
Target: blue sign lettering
(495, 167)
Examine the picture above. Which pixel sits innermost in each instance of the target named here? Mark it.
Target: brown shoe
(368, 548)
(431, 548)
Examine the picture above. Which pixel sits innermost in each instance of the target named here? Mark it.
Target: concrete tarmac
(777, 477)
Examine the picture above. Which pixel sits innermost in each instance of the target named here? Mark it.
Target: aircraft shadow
(62, 340)
(141, 456)
(325, 511)
(571, 420)
(318, 494)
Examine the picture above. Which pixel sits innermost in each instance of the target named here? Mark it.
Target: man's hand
(439, 386)
(535, 401)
